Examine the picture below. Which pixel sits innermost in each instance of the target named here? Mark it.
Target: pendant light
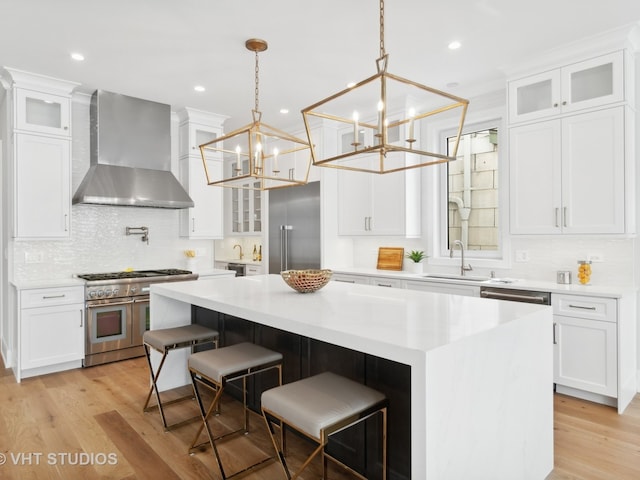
(381, 122)
(256, 156)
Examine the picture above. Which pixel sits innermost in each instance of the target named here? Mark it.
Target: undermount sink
(468, 278)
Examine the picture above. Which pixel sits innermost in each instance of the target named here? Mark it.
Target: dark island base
(358, 447)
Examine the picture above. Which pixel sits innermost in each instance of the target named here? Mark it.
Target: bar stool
(318, 407)
(165, 340)
(213, 369)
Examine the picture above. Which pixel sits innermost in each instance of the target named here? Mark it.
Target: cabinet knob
(564, 103)
(66, 128)
(555, 105)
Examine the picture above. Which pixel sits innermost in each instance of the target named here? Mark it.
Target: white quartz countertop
(49, 283)
(515, 283)
(390, 323)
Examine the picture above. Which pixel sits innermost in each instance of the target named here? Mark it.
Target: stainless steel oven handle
(109, 304)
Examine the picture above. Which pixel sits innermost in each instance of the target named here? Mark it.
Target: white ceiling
(160, 49)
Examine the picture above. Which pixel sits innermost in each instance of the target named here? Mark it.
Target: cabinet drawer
(595, 308)
(347, 278)
(253, 270)
(44, 297)
(387, 282)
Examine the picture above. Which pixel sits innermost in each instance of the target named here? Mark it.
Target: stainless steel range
(117, 312)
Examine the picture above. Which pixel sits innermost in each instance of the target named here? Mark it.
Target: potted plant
(416, 256)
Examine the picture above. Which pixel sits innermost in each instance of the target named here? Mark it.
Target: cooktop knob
(92, 294)
(100, 293)
(133, 289)
(108, 293)
(115, 292)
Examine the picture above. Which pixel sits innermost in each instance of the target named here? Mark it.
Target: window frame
(440, 252)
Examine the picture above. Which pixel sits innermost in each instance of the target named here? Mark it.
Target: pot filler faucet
(463, 268)
(144, 231)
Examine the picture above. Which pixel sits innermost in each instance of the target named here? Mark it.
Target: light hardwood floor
(45, 422)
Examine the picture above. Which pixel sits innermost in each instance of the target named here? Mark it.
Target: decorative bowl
(306, 281)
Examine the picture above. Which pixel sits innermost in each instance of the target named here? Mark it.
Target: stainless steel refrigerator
(294, 228)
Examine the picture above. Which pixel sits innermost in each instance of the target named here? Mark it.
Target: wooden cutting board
(390, 258)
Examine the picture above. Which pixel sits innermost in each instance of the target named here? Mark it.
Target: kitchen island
(481, 379)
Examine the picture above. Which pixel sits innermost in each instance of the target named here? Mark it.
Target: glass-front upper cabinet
(42, 112)
(246, 206)
(591, 83)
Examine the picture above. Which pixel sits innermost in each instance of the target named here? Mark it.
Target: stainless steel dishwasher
(515, 295)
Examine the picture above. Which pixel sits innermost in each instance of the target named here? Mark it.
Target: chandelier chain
(382, 28)
(257, 91)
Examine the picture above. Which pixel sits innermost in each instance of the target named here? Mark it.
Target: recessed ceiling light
(454, 45)
(78, 57)
(199, 88)
(284, 110)
(453, 84)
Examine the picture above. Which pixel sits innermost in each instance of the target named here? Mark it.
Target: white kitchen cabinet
(254, 270)
(205, 219)
(51, 330)
(42, 112)
(585, 344)
(568, 175)
(442, 287)
(40, 130)
(373, 204)
(586, 84)
(42, 187)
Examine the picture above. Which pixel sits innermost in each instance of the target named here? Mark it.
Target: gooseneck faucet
(240, 247)
(463, 268)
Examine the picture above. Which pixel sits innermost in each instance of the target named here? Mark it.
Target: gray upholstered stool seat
(164, 340)
(173, 337)
(213, 369)
(216, 364)
(318, 406)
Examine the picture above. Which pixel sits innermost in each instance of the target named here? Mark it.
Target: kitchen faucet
(463, 267)
(240, 247)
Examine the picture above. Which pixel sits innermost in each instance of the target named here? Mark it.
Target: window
(471, 211)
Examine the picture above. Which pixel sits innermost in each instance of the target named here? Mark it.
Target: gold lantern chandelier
(256, 156)
(382, 121)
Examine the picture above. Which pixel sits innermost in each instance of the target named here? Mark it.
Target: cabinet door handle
(557, 212)
(581, 307)
(81, 318)
(555, 339)
(384, 285)
(66, 222)
(49, 297)
(193, 224)
(344, 281)
(564, 217)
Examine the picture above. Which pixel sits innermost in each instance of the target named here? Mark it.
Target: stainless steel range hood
(130, 155)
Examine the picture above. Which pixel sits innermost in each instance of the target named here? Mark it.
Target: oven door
(141, 316)
(108, 325)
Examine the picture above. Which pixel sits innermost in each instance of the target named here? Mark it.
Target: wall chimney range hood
(130, 155)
